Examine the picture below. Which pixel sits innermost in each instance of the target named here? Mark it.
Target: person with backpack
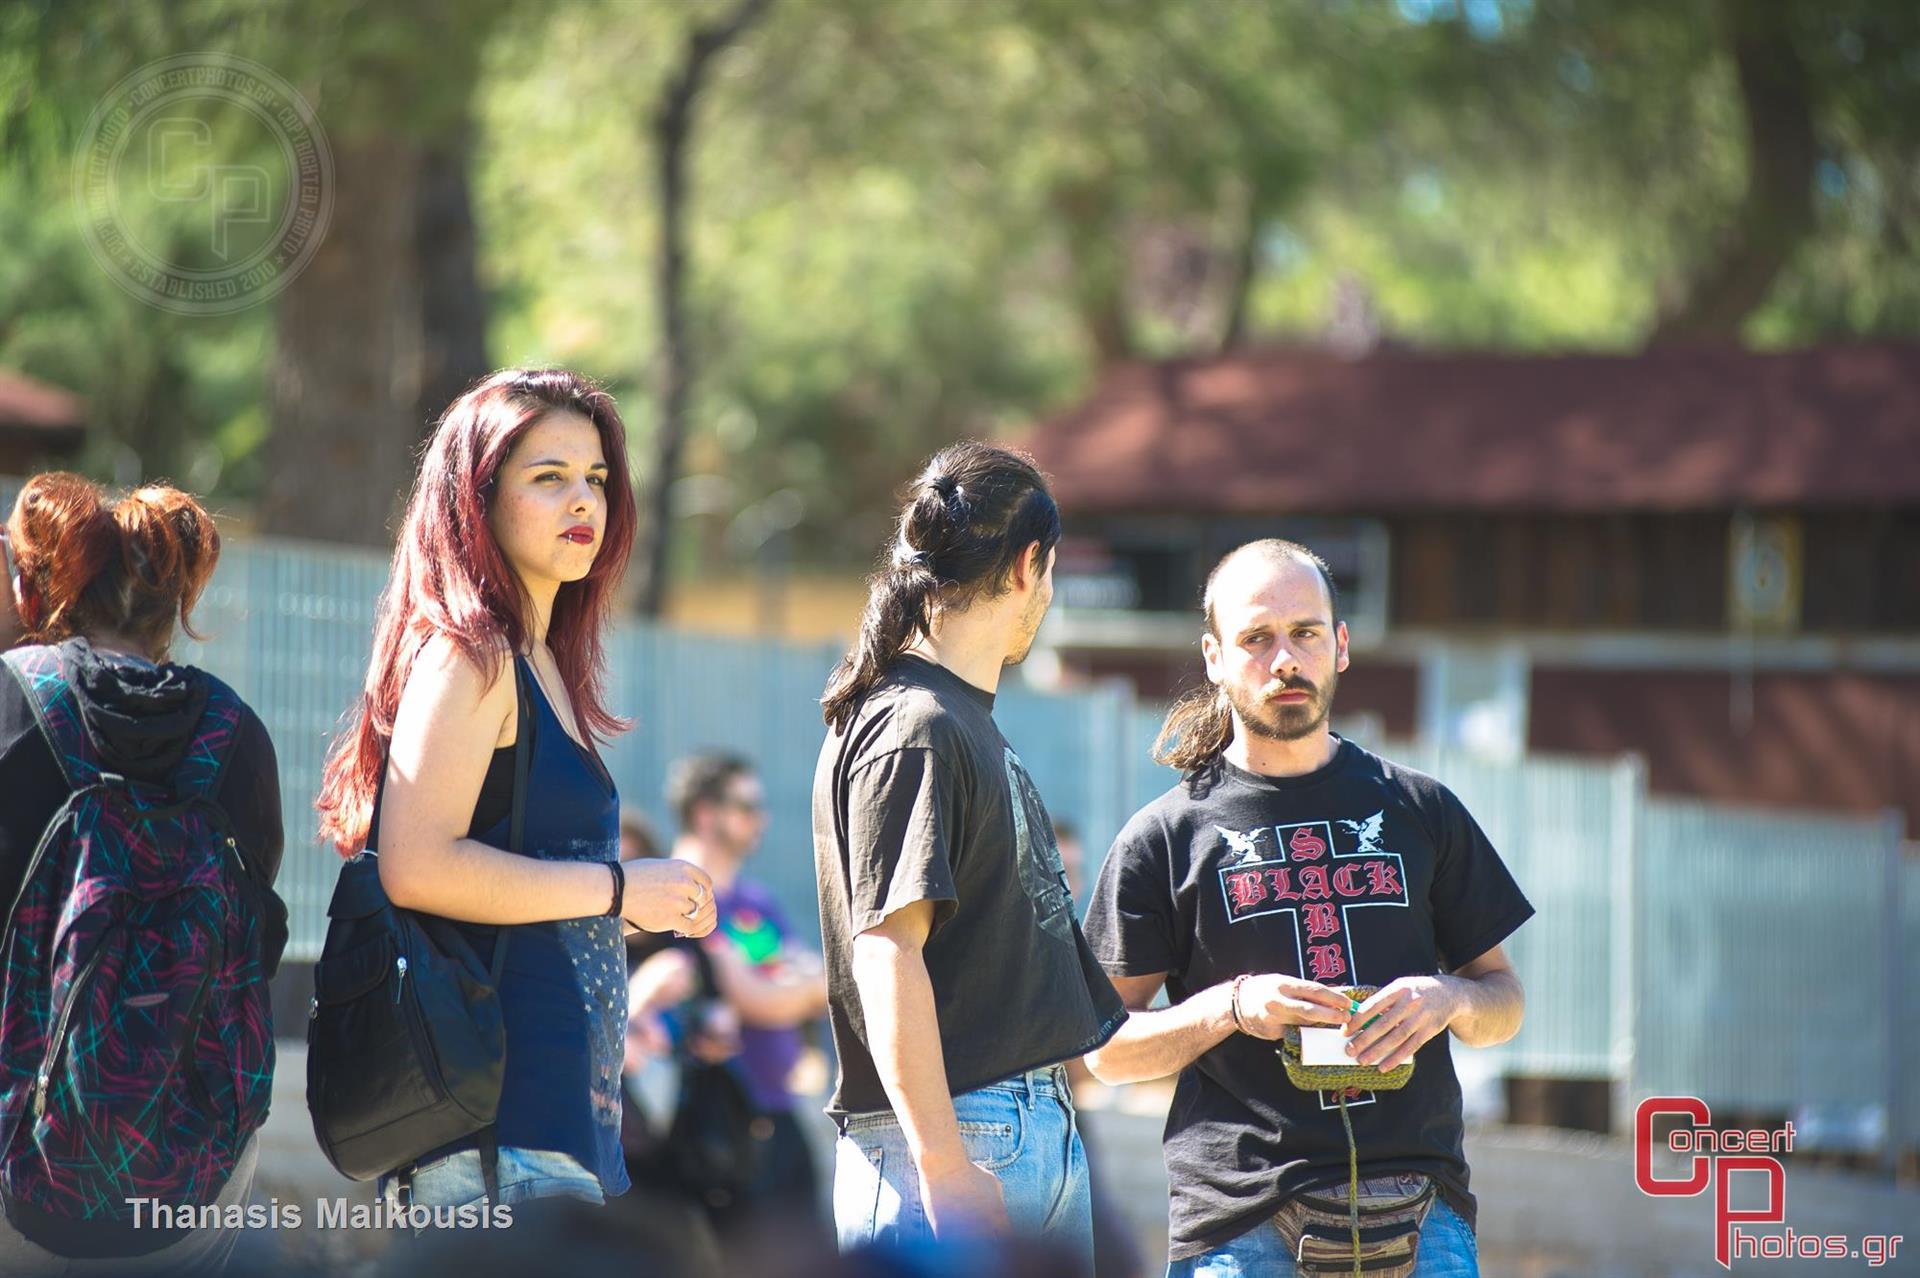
(732, 1011)
(140, 835)
(470, 771)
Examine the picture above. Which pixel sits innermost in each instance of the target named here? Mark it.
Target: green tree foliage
(914, 221)
(168, 395)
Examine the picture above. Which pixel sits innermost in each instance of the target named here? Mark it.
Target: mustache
(1290, 685)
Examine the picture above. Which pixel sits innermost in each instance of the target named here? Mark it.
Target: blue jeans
(525, 1174)
(1448, 1249)
(1022, 1130)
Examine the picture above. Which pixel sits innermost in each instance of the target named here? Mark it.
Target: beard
(1286, 721)
(1030, 619)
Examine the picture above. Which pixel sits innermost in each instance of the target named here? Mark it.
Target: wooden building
(1709, 557)
(40, 425)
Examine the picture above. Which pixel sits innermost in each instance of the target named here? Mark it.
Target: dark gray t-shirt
(921, 799)
(1356, 874)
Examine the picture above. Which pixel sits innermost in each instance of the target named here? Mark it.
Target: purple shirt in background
(756, 927)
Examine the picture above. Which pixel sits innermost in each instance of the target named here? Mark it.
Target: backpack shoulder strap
(706, 983)
(213, 741)
(37, 670)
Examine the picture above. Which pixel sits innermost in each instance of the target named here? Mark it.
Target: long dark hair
(1199, 727)
(967, 520)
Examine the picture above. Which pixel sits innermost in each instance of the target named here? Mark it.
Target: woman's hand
(668, 896)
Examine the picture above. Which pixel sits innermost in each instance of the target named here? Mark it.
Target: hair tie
(905, 556)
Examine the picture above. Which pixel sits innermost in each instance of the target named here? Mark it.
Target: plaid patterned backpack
(136, 1037)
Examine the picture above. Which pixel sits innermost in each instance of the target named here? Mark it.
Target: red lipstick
(579, 535)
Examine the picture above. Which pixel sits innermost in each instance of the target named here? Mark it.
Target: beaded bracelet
(1235, 1001)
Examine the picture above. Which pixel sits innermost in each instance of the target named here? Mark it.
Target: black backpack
(406, 1043)
(136, 1053)
(711, 1152)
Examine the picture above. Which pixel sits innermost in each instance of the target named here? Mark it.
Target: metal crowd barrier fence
(1766, 961)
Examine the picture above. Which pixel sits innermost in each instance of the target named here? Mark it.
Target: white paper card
(1323, 1045)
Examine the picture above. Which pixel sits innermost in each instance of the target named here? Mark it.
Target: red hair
(449, 577)
(135, 566)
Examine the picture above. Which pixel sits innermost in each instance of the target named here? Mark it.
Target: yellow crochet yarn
(1315, 1078)
(1337, 1079)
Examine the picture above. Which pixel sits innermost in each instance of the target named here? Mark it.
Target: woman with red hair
(516, 534)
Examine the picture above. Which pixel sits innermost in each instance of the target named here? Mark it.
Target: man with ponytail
(957, 976)
(1288, 870)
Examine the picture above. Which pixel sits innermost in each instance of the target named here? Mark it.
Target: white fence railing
(1766, 961)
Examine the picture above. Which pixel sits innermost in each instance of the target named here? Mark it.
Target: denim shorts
(1448, 1249)
(525, 1174)
(1022, 1130)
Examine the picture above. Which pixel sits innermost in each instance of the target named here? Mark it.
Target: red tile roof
(25, 402)
(1308, 431)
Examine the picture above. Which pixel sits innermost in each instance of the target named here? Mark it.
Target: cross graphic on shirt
(1317, 884)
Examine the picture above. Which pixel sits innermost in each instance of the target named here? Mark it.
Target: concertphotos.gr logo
(1715, 1157)
(203, 183)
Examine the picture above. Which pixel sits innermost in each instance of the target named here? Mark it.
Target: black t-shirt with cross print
(1356, 874)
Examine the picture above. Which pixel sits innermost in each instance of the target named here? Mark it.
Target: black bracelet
(619, 889)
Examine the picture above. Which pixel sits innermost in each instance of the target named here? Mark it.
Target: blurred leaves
(920, 220)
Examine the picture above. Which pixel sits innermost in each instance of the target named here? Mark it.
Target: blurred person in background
(767, 986)
(94, 591)
(1116, 1253)
(666, 984)
(958, 979)
(645, 1036)
(1287, 862)
(638, 841)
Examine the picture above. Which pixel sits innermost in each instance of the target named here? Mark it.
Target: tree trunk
(1097, 254)
(1776, 212)
(347, 373)
(1245, 269)
(453, 307)
(672, 135)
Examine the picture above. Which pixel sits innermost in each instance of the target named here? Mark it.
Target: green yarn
(1314, 1078)
(1353, 1183)
(1337, 1079)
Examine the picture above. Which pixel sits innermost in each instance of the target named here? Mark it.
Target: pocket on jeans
(858, 1181)
(992, 1144)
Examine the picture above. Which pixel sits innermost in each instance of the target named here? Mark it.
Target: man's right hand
(1270, 1001)
(962, 1199)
